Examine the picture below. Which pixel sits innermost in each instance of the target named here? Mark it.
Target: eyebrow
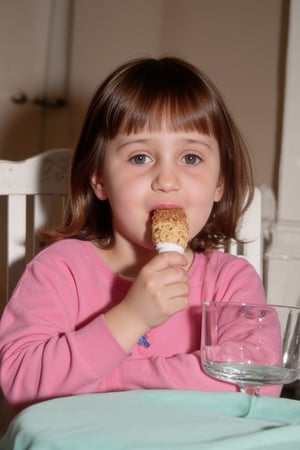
(196, 141)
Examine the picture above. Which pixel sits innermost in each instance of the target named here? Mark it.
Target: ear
(98, 187)
(219, 190)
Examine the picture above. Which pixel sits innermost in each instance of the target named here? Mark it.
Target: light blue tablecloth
(157, 420)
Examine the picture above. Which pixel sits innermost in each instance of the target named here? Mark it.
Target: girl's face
(154, 170)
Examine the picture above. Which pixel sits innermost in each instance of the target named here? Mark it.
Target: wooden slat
(16, 239)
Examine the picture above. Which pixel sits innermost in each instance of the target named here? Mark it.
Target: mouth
(163, 206)
(166, 206)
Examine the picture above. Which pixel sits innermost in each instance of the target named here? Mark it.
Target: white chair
(32, 194)
(35, 190)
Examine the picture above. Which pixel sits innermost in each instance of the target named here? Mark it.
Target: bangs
(170, 114)
(160, 97)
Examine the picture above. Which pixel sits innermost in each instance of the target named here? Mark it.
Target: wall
(23, 32)
(26, 128)
(105, 34)
(237, 42)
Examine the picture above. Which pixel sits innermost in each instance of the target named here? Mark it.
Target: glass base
(246, 374)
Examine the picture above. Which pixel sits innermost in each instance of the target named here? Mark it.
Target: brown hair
(134, 97)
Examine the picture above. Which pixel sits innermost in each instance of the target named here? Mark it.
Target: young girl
(99, 310)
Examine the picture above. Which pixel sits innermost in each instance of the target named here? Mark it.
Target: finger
(174, 290)
(172, 275)
(167, 259)
(174, 304)
(179, 304)
(168, 296)
(154, 270)
(155, 284)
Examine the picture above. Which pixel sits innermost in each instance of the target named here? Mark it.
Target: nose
(166, 180)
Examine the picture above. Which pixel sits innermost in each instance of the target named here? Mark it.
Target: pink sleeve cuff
(99, 347)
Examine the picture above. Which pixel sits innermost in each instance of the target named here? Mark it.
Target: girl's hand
(160, 290)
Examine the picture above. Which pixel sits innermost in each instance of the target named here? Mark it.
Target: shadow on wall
(28, 129)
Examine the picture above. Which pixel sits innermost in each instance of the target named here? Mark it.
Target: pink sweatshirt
(54, 340)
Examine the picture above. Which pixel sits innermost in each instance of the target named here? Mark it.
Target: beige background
(239, 43)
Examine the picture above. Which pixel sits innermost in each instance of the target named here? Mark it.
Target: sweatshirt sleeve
(182, 371)
(46, 350)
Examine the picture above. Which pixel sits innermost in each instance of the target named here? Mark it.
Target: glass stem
(250, 389)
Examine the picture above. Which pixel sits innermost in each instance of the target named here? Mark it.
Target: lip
(166, 206)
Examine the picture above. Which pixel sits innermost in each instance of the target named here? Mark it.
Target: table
(157, 420)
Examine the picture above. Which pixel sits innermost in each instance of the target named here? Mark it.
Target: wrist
(125, 326)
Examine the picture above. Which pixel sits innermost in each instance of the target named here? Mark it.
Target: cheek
(119, 194)
(123, 194)
(202, 206)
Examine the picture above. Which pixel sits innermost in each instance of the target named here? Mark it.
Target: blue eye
(140, 159)
(190, 158)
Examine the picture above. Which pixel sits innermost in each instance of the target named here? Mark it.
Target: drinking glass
(251, 345)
